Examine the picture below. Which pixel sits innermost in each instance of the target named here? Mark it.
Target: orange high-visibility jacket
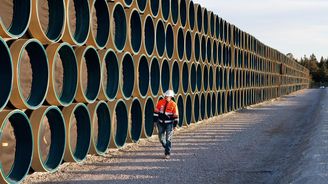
(168, 115)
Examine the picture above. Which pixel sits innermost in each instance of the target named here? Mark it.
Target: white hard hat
(169, 93)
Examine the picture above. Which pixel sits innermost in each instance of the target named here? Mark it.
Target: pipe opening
(33, 74)
(90, 74)
(197, 47)
(213, 100)
(101, 128)
(218, 78)
(120, 124)
(128, 2)
(175, 77)
(6, 74)
(148, 114)
(211, 76)
(205, 21)
(223, 103)
(79, 133)
(188, 110)
(16, 147)
(209, 50)
(193, 78)
(136, 120)
(15, 17)
(223, 78)
(183, 12)
(135, 31)
(215, 52)
(160, 38)
(119, 25)
(100, 22)
(155, 76)
(149, 35)
(188, 46)
(217, 27)
(51, 17)
(203, 48)
(165, 9)
(191, 15)
(196, 108)
(110, 73)
(78, 20)
(52, 139)
(208, 105)
(212, 26)
(185, 78)
(218, 103)
(154, 6)
(127, 76)
(165, 76)
(143, 71)
(199, 78)
(202, 106)
(181, 43)
(169, 36)
(174, 11)
(181, 110)
(220, 54)
(199, 18)
(65, 74)
(142, 5)
(205, 78)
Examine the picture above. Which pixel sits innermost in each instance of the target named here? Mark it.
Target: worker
(166, 116)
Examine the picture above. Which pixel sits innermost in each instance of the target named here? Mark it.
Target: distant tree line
(318, 68)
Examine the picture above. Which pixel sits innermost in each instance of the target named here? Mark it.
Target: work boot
(167, 157)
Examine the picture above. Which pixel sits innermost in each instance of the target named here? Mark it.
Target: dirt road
(282, 141)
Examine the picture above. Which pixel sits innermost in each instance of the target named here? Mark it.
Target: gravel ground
(273, 142)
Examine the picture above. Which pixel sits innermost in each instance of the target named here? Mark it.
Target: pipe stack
(81, 76)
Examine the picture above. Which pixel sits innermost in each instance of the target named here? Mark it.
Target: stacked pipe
(79, 77)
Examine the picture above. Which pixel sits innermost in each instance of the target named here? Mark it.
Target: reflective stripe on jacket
(171, 114)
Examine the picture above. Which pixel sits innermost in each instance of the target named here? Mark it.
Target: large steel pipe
(169, 41)
(101, 127)
(175, 77)
(78, 133)
(48, 19)
(181, 110)
(148, 112)
(199, 79)
(165, 9)
(120, 121)
(160, 38)
(49, 132)
(155, 76)
(185, 78)
(190, 15)
(127, 76)
(148, 35)
(180, 44)
(165, 76)
(196, 47)
(16, 146)
(193, 77)
(99, 25)
(118, 27)
(208, 105)
(77, 22)
(135, 120)
(199, 17)
(63, 74)
(141, 5)
(202, 106)
(6, 74)
(195, 108)
(188, 45)
(143, 77)
(31, 76)
(183, 12)
(89, 72)
(188, 109)
(134, 31)
(174, 11)
(15, 18)
(110, 75)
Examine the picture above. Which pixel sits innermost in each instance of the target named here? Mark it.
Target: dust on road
(265, 143)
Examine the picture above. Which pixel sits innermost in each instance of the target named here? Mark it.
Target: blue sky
(296, 26)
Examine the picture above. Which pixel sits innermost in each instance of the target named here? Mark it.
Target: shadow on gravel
(145, 164)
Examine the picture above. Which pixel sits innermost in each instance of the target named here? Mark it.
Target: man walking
(166, 115)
